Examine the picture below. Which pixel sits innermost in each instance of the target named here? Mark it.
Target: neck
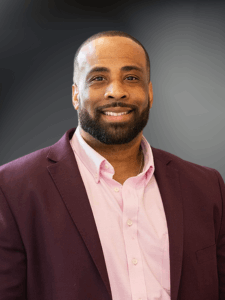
(125, 158)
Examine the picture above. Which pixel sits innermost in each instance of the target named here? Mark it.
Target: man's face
(117, 89)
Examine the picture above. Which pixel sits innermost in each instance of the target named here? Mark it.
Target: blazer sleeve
(221, 241)
(12, 256)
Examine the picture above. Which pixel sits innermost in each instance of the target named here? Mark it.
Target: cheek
(89, 106)
(93, 99)
(95, 94)
(139, 92)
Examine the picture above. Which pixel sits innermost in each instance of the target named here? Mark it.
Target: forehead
(110, 50)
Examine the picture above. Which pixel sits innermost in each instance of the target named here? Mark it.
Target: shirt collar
(93, 161)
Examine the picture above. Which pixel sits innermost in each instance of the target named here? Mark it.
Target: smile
(110, 113)
(111, 116)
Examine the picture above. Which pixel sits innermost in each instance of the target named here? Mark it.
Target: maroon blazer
(49, 243)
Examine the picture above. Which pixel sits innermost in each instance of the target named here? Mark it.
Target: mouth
(111, 116)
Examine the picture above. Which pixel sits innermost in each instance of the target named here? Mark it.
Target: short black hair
(103, 34)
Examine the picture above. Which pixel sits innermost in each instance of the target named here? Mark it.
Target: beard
(113, 133)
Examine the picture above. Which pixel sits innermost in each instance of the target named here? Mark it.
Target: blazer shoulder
(185, 167)
(24, 166)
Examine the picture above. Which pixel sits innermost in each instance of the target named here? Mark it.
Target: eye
(95, 78)
(133, 78)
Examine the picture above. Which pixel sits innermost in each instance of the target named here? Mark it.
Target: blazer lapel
(66, 176)
(167, 178)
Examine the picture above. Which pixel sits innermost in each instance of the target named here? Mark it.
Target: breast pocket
(206, 254)
(207, 272)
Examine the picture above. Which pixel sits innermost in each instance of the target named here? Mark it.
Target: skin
(119, 142)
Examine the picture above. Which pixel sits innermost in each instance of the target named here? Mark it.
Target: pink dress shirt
(131, 224)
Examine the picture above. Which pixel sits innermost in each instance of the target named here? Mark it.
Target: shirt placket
(133, 251)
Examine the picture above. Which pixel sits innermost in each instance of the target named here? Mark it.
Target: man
(101, 214)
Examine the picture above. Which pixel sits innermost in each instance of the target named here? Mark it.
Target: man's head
(124, 73)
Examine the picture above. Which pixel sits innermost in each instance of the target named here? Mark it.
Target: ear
(150, 92)
(75, 94)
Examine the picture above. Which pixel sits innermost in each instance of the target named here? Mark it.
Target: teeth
(109, 113)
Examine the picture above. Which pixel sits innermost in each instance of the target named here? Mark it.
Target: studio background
(186, 44)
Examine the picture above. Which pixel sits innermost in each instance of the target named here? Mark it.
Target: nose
(116, 91)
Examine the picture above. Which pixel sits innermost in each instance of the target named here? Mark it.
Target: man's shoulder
(33, 167)
(27, 159)
(24, 166)
(39, 158)
(195, 176)
(185, 167)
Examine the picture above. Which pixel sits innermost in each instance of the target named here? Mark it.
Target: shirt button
(129, 222)
(106, 166)
(134, 261)
(116, 189)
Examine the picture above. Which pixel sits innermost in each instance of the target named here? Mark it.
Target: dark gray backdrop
(186, 44)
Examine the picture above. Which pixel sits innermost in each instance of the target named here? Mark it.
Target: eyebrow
(106, 70)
